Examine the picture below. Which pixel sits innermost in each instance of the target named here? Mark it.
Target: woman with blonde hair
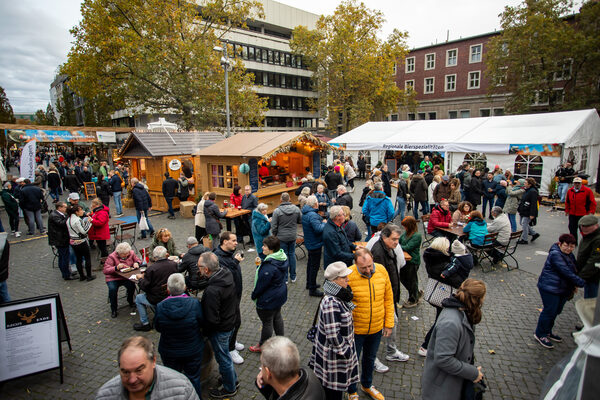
(450, 356)
(304, 193)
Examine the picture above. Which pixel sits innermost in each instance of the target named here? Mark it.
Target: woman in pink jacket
(99, 231)
(123, 257)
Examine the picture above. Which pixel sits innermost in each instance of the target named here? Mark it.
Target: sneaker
(397, 356)
(422, 351)
(534, 237)
(255, 349)
(220, 383)
(239, 346)
(119, 215)
(544, 341)
(294, 280)
(353, 396)
(235, 357)
(554, 337)
(316, 293)
(380, 367)
(138, 326)
(17, 234)
(373, 393)
(521, 241)
(91, 277)
(221, 393)
(410, 304)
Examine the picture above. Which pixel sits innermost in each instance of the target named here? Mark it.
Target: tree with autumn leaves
(544, 47)
(157, 56)
(353, 69)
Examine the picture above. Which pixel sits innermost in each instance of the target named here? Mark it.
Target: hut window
(224, 176)
(584, 159)
(528, 166)
(476, 160)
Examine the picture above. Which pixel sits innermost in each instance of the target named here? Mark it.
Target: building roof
(259, 144)
(156, 144)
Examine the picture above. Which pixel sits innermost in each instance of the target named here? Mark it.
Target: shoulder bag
(312, 332)
(436, 292)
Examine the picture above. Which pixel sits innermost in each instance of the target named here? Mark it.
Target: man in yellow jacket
(373, 316)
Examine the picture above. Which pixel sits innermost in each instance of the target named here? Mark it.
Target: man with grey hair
(284, 225)
(280, 372)
(140, 377)
(312, 225)
(336, 245)
(343, 197)
(142, 203)
(500, 224)
(189, 263)
(219, 308)
(179, 321)
(378, 207)
(152, 282)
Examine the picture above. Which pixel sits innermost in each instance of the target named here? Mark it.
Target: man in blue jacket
(115, 184)
(378, 208)
(336, 245)
(489, 192)
(312, 225)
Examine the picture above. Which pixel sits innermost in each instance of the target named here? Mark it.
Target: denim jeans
(113, 289)
(191, 367)
(590, 290)
(54, 193)
(370, 344)
(138, 214)
(220, 345)
(562, 191)
(4, 296)
(169, 201)
(424, 208)
(63, 261)
(118, 204)
(513, 222)
(527, 230)
(553, 306)
(400, 208)
(141, 303)
(35, 217)
(312, 268)
(289, 248)
(487, 202)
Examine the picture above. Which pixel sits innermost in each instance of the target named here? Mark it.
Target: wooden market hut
(238, 160)
(151, 154)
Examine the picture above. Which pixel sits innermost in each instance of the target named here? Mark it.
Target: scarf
(344, 294)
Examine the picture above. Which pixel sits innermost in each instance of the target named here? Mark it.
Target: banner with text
(453, 147)
(28, 161)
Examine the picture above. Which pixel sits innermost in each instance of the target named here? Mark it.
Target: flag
(28, 161)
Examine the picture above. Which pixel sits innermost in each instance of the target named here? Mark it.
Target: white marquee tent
(506, 140)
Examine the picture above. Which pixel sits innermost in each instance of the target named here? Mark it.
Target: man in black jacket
(189, 263)
(231, 261)
(362, 166)
(58, 236)
(30, 199)
(528, 210)
(142, 203)
(218, 306)
(154, 284)
(343, 197)
(249, 202)
(169, 189)
(333, 179)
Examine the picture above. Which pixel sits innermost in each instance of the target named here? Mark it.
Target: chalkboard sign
(90, 190)
(31, 333)
(391, 164)
(316, 164)
(253, 174)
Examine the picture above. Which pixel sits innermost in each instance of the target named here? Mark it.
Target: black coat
(388, 259)
(154, 282)
(169, 188)
(179, 321)
(528, 206)
(227, 260)
(189, 263)
(435, 263)
(104, 191)
(58, 233)
(54, 180)
(361, 164)
(387, 186)
(141, 198)
(306, 387)
(475, 190)
(71, 183)
(31, 197)
(333, 180)
(85, 176)
(4, 256)
(219, 303)
(344, 200)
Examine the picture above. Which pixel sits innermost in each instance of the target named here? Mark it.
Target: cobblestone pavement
(514, 364)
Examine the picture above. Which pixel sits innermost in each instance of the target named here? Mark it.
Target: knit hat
(336, 168)
(458, 248)
(521, 182)
(588, 220)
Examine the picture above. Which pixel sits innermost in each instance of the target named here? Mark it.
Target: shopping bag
(436, 292)
(143, 224)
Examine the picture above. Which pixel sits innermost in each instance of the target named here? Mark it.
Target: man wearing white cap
(579, 201)
(74, 200)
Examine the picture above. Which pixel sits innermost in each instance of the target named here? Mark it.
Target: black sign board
(253, 174)
(316, 164)
(90, 190)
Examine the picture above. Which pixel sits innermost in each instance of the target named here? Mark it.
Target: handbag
(479, 388)
(143, 224)
(436, 291)
(312, 332)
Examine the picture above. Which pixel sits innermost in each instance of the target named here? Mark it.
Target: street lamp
(225, 62)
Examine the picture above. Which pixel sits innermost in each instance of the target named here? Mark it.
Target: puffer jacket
(141, 198)
(189, 263)
(418, 188)
(312, 225)
(442, 191)
(379, 208)
(99, 219)
(513, 199)
(336, 246)
(113, 259)
(439, 218)
(284, 223)
(559, 275)
(154, 282)
(458, 269)
(374, 300)
(270, 289)
(260, 229)
(477, 229)
(179, 320)
(219, 303)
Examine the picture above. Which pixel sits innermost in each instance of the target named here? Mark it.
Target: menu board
(316, 164)
(253, 174)
(90, 190)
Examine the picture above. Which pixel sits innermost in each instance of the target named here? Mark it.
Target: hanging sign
(253, 174)
(174, 164)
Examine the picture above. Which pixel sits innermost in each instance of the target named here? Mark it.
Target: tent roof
(489, 134)
(155, 144)
(258, 144)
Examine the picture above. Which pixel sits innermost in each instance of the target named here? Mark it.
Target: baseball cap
(74, 196)
(445, 178)
(577, 180)
(420, 171)
(336, 270)
(588, 220)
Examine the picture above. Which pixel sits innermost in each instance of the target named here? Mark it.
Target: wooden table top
(235, 212)
(456, 230)
(407, 256)
(127, 275)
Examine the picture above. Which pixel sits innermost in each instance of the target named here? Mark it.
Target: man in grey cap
(588, 256)
(74, 200)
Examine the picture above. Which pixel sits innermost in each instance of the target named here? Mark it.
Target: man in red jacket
(578, 203)
(441, 217)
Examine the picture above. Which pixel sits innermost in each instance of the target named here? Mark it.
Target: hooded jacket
(336, 246)
(477, 229)
(312, 225)
(528, 207)
(374, 300)
(581, 202)
(260, 229)
(219, 303)
(559, 275)
(418, 188)
(189, 263)
(439, 218)
(227, 260)
(141, 198)
(284, 223)
(513, 198)
(179, 320)
(154, 282)
(588, 257)
(99, 219)
(379, 208)
(270, 290)
(458, 269)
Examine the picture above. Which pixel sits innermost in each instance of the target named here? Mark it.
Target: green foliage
(6, 111)
(540, 50)
(66, 108)
(352, 68)
(45, 118)
(157, 55)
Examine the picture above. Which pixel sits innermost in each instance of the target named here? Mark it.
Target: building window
(475, 54)
(451, 57)
(498, 112)
(394, 68)
(484, 112)
(429, 82)
(452, 114)
(421, 116)
(476, 160)
(394, 117)
(474, 78)
(528, 166)
(433, 115)
(409, 85)
(558, 96)
(430, 61)
(410, 64)
(501, 76)
(564, 70)
(450, 83)
(465, 113)
(224, 176)
(411, 116)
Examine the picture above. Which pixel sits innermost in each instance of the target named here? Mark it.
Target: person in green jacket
(164, 238)
(410, 241)
(11, 205)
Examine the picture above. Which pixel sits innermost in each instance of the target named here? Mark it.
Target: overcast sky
(36, 39)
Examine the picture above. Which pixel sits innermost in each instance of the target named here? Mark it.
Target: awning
(59, 136)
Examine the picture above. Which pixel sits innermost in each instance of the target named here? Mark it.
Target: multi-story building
(449, 80)
(56, 95)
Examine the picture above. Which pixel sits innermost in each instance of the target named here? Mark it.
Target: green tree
(546, 56)
(65, 107)
(158, 55)
(45, 117)
(352, 68)
(6, 111)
